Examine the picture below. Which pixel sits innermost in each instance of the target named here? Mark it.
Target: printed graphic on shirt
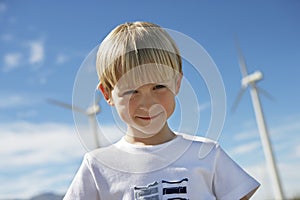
(149, 192)
(165, 190)
(175, 190)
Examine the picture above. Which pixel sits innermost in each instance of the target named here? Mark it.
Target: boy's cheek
(120, 101)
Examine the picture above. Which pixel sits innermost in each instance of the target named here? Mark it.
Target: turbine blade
(242, 61)
(265, 93)
(65, 105)
(238, 99)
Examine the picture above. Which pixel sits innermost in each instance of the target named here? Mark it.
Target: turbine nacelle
(93, 110)
(251, 79)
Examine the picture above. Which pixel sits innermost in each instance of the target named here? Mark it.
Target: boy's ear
(178, 82)
(106, 94)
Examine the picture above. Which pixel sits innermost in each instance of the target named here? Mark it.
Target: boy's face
(146, 106)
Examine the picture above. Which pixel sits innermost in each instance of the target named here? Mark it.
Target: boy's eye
(129, 92)
(159, 87)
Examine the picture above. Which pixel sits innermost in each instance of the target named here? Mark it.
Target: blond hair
(134, 44)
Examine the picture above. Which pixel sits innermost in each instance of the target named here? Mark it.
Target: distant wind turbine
(250, 80)
(90, 112)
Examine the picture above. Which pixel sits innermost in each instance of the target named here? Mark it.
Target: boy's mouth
(149, 117)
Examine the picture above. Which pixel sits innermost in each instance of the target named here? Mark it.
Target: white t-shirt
(172, 170)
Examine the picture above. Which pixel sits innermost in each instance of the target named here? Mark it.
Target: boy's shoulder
(201, 146)
(181, 139)
(197, 138)
(184, 148)
(182, 142)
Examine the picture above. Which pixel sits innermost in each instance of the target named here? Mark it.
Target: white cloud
(277, 135)
(29, 144)
(289, 180)
(297, 151)
(36, 52)
(286, 127)
(11, 100)
(27, 114)
(61, 59)
(11, 61)
(249, 133)
(15, 60)
(40, 157)
(245, 148)
(3, 7)
(37, 157)
(285, 140)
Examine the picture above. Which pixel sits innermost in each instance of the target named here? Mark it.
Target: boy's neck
(163, 136)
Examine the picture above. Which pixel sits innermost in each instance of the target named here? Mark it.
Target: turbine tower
(249, 80)
(90, 112)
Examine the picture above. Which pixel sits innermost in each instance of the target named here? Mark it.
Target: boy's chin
(146, 131)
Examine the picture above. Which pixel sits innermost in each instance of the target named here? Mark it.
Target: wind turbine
(249, 80)
(90, 112)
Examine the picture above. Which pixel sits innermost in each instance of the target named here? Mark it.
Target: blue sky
(42, 46)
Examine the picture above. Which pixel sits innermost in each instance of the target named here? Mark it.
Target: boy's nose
(146, 102)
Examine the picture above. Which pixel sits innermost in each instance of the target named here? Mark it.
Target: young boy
(140, 72)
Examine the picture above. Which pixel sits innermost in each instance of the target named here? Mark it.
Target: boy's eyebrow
(125, 88)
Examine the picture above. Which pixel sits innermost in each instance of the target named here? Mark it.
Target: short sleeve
(83, 185)
(230, 180)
